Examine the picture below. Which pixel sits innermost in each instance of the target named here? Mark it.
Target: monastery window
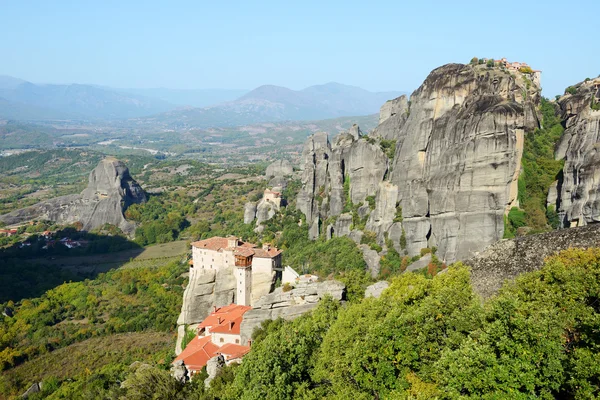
(221, 340)
(237, 341)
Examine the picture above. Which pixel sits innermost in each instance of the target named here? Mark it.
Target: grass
(88, 356)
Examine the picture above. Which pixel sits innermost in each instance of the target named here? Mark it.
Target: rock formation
(213, 367)
(289, 305)
(376, 289)
(205, 289)
(454, 169)
(277, 174)
(110, 190)
(509, 258)
(576, 195)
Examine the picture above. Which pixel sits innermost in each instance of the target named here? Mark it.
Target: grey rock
(180, 372)
(279, 168)
(507, 259)
(342, 225)
(371, 258)
(213, 367)
(578, 192)
(289, 305)
(458, 156)
(110, 190)
(356, 236)
(249, 212)
(34, 388)
(265, 211)
(376, 289)
(421, 263)
(355, 132)
(382, 218)
(329, 231)
(392, 117)
(364, 211)
(313, 231)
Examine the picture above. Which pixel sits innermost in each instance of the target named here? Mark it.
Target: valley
(449, 214)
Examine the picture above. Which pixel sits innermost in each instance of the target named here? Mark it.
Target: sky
(376, 45)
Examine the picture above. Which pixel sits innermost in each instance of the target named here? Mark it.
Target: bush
(571, 90)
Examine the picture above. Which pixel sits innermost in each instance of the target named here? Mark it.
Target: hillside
(270, 103)
(29, 101)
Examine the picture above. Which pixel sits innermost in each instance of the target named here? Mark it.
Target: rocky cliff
(576, 195)
(508, 258)
(110, 190)
(289, 305)
(451, 172)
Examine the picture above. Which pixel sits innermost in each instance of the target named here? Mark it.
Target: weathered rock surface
(289, 305)
(455, 168)
(371, 258)
(279, 168)
(388, 126)
(249, 212)
(458, 157)
(421, 263)
(577, 193)
(110, 190)
(206, 288)
(376, 289)
(213, 367)
(509, 258)
(180, 372)
(34, 388)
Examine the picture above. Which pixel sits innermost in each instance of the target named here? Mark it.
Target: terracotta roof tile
(197, 353)
(232, 351)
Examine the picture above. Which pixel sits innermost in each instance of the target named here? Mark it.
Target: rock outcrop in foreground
(110, 190)
(509, 258)
(289, 305)
(576, 195)
(442, 168)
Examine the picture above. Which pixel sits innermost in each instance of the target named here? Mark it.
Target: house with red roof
(218, 334)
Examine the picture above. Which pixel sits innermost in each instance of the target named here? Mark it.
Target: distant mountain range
(275, 103)
(28, 101)
(22, 100)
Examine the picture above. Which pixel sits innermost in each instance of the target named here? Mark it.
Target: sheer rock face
(577, 194)
(457, 165)
(279, 168)
(388, 126)
(360, 161)
(110, 190)
(455, 168)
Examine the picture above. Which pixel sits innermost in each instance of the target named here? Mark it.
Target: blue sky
(377, 45)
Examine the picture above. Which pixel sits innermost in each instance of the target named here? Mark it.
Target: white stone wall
(211, 259)
(226, 337)
(289, 275)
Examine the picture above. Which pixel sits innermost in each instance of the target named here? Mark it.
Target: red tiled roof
(232, 351)
(243, 251)
(219, 321)
(197, 353)
(262, 253)
(217, 243)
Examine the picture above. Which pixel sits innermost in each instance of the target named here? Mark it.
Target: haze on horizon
(378, 46)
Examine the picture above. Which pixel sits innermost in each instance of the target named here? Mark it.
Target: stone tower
(243, 276)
